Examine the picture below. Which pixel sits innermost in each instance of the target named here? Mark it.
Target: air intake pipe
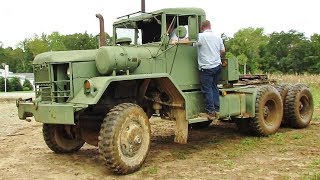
(102, 35)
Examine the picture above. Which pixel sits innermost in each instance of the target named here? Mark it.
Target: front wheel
(124, 139)
(60, 138)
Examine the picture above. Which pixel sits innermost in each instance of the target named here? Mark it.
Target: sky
(20, 19)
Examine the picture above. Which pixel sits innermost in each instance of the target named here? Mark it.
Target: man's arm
(187, 41)
(222, 48)
(182, 41)
(222, 52)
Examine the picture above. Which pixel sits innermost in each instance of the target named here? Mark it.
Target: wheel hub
(131, 139)
(304, 107)
(268, 112)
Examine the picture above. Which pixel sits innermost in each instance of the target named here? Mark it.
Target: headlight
(68, 72)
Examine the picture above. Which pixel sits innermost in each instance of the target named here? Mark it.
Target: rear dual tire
(298, 106)
(268, 111)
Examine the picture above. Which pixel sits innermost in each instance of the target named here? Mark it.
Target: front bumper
(50, 113)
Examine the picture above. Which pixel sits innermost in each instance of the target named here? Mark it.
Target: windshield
(128, 33)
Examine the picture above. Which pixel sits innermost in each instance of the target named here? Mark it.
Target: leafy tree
(80, 41)
(2, 84)
(247, 44)
(287, 52)
(56, 40)
(15, 84)
(314, 58)
(37, 45)
(27, 86)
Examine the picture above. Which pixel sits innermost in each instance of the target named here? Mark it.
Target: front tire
(268, 111)
(59, 140)
(124, 139)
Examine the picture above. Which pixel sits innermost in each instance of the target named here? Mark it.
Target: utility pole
(6, 72)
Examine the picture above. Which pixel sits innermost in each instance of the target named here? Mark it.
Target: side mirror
(181, 32)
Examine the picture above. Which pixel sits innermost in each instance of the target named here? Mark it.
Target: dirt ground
(216, 152)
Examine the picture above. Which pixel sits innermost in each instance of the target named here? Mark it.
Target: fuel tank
(121, 58)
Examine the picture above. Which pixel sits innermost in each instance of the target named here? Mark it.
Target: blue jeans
(209, 86)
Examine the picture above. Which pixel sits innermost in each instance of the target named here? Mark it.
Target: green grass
(181, 154)
(150, 170)
(278, 138)
(316, 96)
(316, 102)
(229, 163)
(297, 136)
(283, 150)
(246, 144)
(311, 176)
(315, 163)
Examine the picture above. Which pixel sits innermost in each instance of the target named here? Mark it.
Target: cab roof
(180, 11)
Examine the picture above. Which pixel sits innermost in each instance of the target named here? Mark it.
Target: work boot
(209, 116)
(217, 115)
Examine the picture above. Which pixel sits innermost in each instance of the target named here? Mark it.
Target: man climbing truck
(105, 97)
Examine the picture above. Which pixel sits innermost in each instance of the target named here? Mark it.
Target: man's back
(209, 49)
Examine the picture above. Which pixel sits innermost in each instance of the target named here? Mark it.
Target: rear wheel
(283, 91)
(60, 138)
(299, 106)
(124, 139)
(268, 111)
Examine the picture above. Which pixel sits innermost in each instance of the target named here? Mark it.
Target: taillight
(87, 86)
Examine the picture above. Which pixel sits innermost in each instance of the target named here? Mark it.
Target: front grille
(52, 82)
(43, 91)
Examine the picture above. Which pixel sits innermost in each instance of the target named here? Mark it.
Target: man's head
(205, 25)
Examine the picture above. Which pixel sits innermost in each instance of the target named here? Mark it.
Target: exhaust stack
(143, 6)
(102, 35)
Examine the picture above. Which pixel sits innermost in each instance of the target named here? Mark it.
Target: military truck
(105, 97)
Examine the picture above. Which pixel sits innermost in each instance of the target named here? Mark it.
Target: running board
(197, 120)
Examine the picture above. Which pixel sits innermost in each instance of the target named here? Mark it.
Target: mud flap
(181, 131)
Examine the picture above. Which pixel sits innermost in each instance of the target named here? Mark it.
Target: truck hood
(65, 56)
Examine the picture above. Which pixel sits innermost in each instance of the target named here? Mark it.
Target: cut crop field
(216, 152)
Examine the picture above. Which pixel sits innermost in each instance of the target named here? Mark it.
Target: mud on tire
(299, 106)
(268, 111)
(124, 139)
(283, 89)
(58, 140)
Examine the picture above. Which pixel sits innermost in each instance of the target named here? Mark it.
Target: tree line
(20, 59)
(257, 52)
(279, 52)
(13, 84)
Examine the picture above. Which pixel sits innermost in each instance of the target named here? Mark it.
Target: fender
(101, 84)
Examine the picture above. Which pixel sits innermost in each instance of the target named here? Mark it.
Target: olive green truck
(105, 97)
